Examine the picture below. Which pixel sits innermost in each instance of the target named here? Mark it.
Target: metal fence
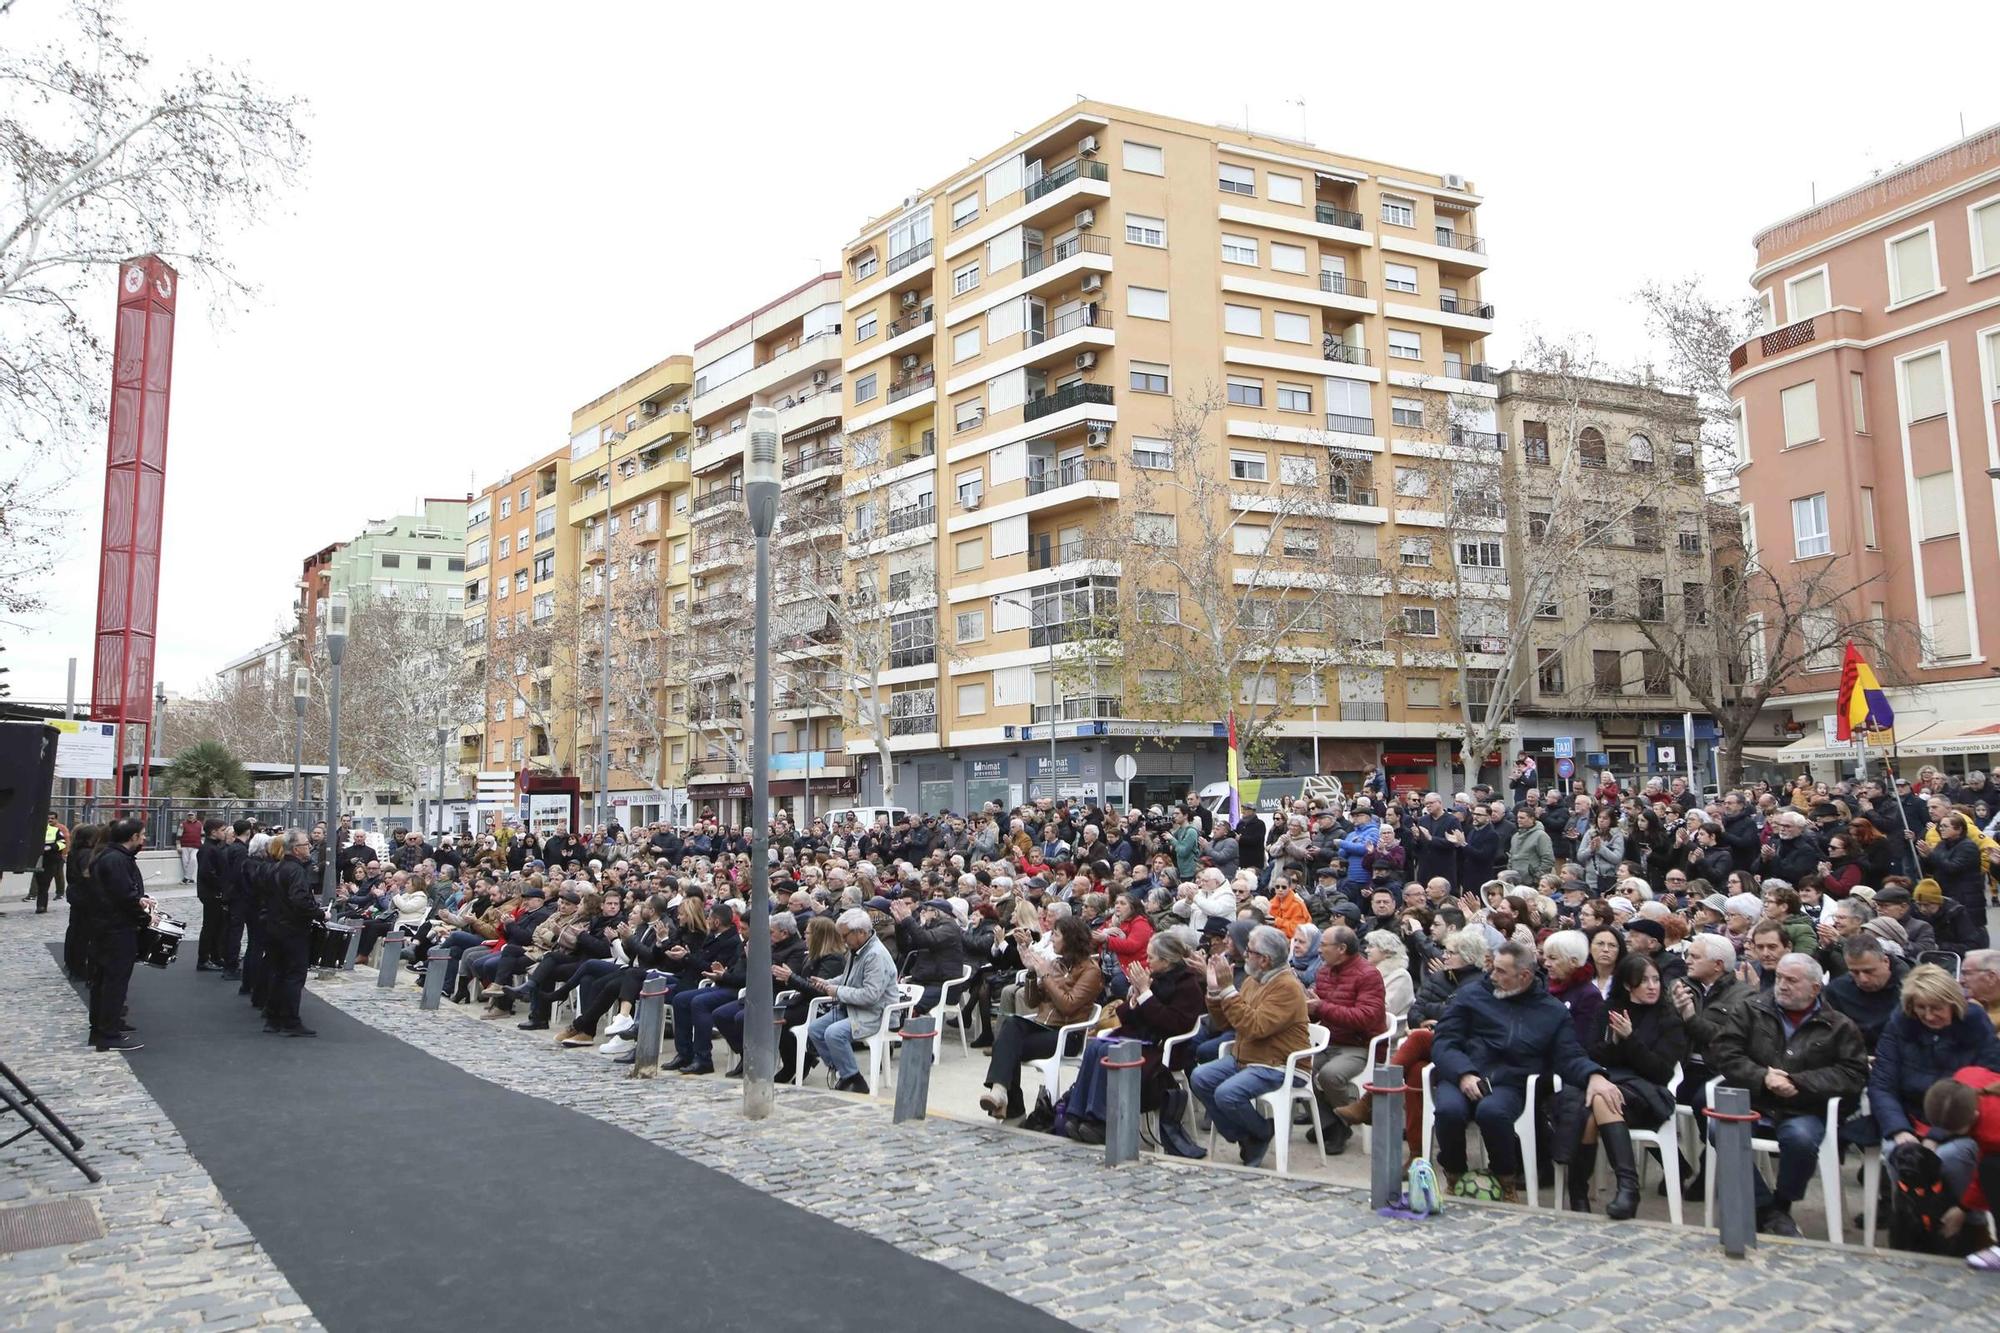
(163, 814)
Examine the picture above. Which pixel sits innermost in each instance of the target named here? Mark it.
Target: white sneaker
(621, 1025)
(616, 1046)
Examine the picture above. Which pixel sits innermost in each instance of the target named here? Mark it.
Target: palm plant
(206, 768)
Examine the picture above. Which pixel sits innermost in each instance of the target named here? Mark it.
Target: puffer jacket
(1825, 1057)
(1349, 1001)
(1437, 992)
(1910, 1057)
(1530, 854)
(1509, 1039)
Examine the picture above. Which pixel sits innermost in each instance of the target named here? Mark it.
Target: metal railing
(1355, 712)
(1329, 216)
(1349, 354)
(1342, 285)
(1047, 555)
(914, 320)
(1350, 425)
(915, 383)
(1062, 250)
(911, 516)
(1362, 566)
(1082, 709)
(716, 499)
(922, 654)
(1452, 240)
(1072, 631)
(898, 262)
(1459, 305)
(912, 724)
(715, 768)
(1478, 439)
(1063, 175)
(1477, 373)
(1072, 473)
(1069, 396)
(1083, 317)
(809, 460)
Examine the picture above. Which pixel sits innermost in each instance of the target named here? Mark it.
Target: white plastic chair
(1050, 1067)
(1277, 1103)
(948, 1012)
(1871, 1181)
(1667, 1139)
(1379, 1048)
(1828, 1170)
(882, 1042)
(1167, 1049)
(1524, 1129)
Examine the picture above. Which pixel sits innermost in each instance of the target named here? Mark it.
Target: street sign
(1565, 748)
(1666, 754)
(1565, 768)
(1126, 768)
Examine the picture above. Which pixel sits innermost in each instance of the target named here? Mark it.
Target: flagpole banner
(1862, 705)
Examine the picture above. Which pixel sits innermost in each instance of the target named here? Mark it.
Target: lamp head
(301, 683)
(761, 473)
(336, 625)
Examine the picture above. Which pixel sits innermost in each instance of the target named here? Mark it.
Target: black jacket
(1479, 855)
(119, 885)
(1658, 1042)
(1869, 1010)
(1713, 1009)
(594, 941)
(1956, 864)
(1250, 844)
(520, 932)
(1825, 1057)
(827, 967)
(211, 880)
(932, 954)
(235, 857)
(1744, 840)
(1792, 859)
(1437, 992)
(291, 907)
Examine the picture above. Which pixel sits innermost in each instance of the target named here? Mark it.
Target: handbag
(1173, 1128)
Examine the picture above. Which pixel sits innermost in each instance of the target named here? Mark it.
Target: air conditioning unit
(1452, 182)
(909, 300)
(819, 378)
(1086, 360)
(1088, 148)
(1097, 434)
(910, 362)
(1093, 282)
(1086, 219)
(973, 502)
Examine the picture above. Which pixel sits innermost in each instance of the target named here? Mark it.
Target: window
(864, 266)
(1924, 387)
(1301, 543)
(1399, 277)
(1607, 671)
(1247, 466)
(971, 699)
(1415, 552)
(1549, 608)
(1250, 540)
(1298, 470)
(1694, 603)
(1422, 692)
(506, 506)
(967, 414)
(864, 388)
(1801, 411)
(964, 278)
(545, 566)
(1652, 600)
(1949, 635)
(455, 565)
(1158, 608)
(1148, 378)
(1244, 319)
(1236, 180)
(1549, 671)
(1937, 505)
(1155, 529)
(1479, 554)
(969, 626)
(865, 327)
(965, 345)
(1985, 235)
(1399, 212)
(1857, 401)
(1288, 258)
(1590, 447)
(1868, 517)
(1538, 524)
(396, 561)
(964, 210)
(499, 553)
(1806, 295)
(1294, 397)
(1308, 691)
(1145, 302)
(1639, 453)
(1767, 318)
(1407, 344)
(1259, 689)
(1912, 265)
(1408, 412)
(1142, 230)
(1287, 327)
(1291, 189)
(1159, 687)
(970, 486)
(1809, 530)
(1420, 621)
(1993, 363)
(1246, 392)
(1739, 423)
(1157, 455)
(969, 554)
(1412, 481)
(1600, 604)
(1145, 158)
(1238, 249)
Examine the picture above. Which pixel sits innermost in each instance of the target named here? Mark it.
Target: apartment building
(785, 354)
(1630, 452)
(1016, 340)
(418, 556)
(628, 498)
(516, 560)
(1866, 433)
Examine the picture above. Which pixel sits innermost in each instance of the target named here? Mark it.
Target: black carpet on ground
(397, 1191)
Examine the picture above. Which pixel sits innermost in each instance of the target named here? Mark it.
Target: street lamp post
(336, 648)
(443, 734)
(760, 1038)
(1029, 608)
(301, 691)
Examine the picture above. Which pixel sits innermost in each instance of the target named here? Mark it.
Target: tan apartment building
(1017, 340)
(1629, 452)
(1867, 435)
(784, 354)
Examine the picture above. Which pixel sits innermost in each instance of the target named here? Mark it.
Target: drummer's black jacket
(211, 875)
(235, 856)
(255, 887)
(120, 885)
(291, 907)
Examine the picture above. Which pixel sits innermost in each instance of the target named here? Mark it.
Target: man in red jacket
(1346, 999)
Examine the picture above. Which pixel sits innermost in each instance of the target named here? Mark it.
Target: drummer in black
(290, 910)
(119, 907)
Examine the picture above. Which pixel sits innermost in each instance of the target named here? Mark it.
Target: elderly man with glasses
(1267, 1015)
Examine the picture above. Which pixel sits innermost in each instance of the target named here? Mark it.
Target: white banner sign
(87, 749)
(548, 813)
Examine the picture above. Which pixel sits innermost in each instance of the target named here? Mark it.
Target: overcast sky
(507, 215)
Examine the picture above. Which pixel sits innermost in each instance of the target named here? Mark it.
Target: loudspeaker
(27, 776)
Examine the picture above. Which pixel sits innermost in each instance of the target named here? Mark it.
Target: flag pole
(1909, 835)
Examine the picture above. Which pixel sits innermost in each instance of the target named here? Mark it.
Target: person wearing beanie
(1896, 903)
(1945, 916)
(1649, 939)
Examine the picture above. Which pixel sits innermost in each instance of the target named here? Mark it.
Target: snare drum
(329, 944)
(161, 941)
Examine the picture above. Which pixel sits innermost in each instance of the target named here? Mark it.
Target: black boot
(1617, 1141)
(1582, 1166)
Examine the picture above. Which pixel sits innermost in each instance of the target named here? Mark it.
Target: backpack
(1918, 1202)
(1421, 1193)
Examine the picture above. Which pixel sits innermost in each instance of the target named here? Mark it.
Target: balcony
(1453, 240)
(916, 655)
(913, 384)
(1363, 712)
(1329, 216)
(913, 724)
(1476, 373)
(715, 768)
(1073, 395)
(1072, 631)
(1342, 423)
(914, 255)
(1081, 710)
(715, 710)
(1079, 169)
(924, 446)
(911, 516)
(1347, 354)
(715, 555)
(708, 502)
(1072, 473)
(1069, 249)
(1045, 554)
(913, 321)
(1342, 285)
(811, 460)
(1083, 317)
(1477, 439)
(1355, 566)
(1459, 305)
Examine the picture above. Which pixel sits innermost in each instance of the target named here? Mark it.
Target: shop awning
(1931, 741)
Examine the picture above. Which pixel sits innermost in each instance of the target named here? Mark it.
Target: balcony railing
(916, 253)
(1354, 712)
(1329, 216)
(718, 498)
(1072, 473)
(1069, 249)
(1342, 285)
(1080, 710)
(1083, 317)
(912, 724)
(1340, 421)
(1072, 631)
(1356, 566)
(811, 460)
(1062, 176)
(1459, 305)
(1064, 398)
(1349, 354)
(1452, 240)
(1535, 448)
(916, 319)
(911, 516)
(715, 551)
(715, 768)
(1478, 373)
(1477, 439)
(1047, 555)
(916, 383)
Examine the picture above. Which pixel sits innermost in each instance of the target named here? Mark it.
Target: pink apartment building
(1866, 431)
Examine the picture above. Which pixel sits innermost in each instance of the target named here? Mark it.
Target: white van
(864, 815)
(1267, 796)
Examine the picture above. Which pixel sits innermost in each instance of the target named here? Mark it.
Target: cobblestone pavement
(1175, 1243)
(173, 1254)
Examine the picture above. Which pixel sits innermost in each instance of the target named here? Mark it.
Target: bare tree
(537, 669)
(1696, 334)
(106, 158)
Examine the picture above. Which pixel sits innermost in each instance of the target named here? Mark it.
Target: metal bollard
(434, 981)
(652, 1019)
(353, 950)
(391, 947)
(1385, 1086)
(1730, 1121)
(913, 1081)
(1121, 1102)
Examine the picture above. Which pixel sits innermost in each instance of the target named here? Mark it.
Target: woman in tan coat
(1063, 990)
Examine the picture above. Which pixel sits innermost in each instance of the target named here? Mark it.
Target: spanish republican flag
(1862, 705)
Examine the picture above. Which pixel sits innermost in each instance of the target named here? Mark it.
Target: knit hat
(1890, 931)
(1621, 905)
(1928, 891)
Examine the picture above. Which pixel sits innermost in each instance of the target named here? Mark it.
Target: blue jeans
(833, 1037)
(1798, 1139)
(1495, 1114)
(694, 1022)
(455, 944)
(1230, 1093)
